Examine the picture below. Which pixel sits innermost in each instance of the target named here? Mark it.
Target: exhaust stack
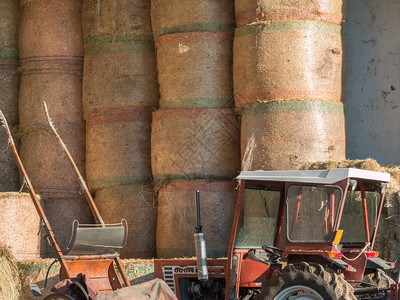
(200, 245)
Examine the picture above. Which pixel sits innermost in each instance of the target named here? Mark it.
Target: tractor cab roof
(314, 176)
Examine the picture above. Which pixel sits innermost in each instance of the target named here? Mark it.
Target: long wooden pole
(44, 222)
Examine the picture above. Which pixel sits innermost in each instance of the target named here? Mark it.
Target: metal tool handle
(5, 125)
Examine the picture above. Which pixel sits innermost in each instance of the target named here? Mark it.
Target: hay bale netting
(19, 225)
(190, 16)
(177, 217)
(134, 203)
(61, 213)
(118, 39)
(250, 11)
(287, 60)
(286, 134)
(118, 146)
(194, 144)
(10, 284)
(50, 28)
(9, 86)
(120, 72)
(194, 70)
(115, 18)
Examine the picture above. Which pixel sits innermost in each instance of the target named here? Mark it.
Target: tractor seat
(97, 239)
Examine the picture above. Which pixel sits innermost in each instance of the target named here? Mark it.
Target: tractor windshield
(352, 221)
(258, 218)
(312, 212)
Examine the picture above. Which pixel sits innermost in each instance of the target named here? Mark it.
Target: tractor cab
(327, 218)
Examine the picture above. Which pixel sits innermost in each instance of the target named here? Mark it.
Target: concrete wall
(373, 80)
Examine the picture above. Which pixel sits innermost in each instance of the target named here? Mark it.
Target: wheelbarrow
(93, 249)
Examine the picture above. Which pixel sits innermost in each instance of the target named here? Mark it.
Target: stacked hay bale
(10, 284)
(9, 86)
(51, 59)
(195, 133)
(120, 90)
(19, 225)
(287, 72)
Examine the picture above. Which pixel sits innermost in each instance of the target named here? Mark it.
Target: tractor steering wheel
(269, 249)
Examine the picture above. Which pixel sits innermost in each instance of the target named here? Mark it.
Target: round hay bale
(9, 86)
(194, 70)
(284, 135)
(10, 285)
(134, 203)
(118, 146)
(194, 144)
(114, 18)
(61, 213)
(120, 73)
(9, 19)
(51, 28)
(60, 85)
(49, 170)
(19, 225)
(250, 11)
(177, 217)
(287, 60)
(174, 16)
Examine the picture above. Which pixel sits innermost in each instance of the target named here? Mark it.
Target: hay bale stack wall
(120, 91)
(287, 71)
(19, 225)
(195, 134)
(51, 61)
(9, 88)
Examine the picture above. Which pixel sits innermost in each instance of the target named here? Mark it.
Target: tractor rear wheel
(305, 282)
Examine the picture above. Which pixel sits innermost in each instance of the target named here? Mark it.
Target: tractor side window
(352, 221)
(258, 218)
(312, 212)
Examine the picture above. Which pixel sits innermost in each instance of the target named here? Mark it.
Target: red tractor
(325, 223)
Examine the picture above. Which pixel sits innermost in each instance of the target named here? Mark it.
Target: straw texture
(9, 86)
(174, 16)
(249, 11)
(19, 225)
(118, 146)
(287, 60)
(61, 213)
(10, 284)
(134, 203)
(120, 73)
(194, 70)
(49, 28)
(113, 18)
(194, 143)
(284, 135)
(177, 217)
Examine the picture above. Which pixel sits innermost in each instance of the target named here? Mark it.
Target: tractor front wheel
(305, 282)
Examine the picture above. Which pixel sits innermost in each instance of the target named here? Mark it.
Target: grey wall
(373, 80)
